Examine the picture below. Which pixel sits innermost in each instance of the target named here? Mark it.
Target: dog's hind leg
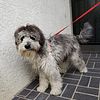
(43, 82)
(63, 67)
(78, 62)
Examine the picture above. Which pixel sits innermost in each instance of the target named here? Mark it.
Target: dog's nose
(27, 46)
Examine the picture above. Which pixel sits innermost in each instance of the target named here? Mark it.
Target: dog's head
(29, 39)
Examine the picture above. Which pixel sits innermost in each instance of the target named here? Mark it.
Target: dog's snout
(28, 46)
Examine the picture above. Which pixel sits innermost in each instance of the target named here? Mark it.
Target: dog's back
(63, 45)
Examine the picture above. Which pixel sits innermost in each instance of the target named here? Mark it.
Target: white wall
(49, 15)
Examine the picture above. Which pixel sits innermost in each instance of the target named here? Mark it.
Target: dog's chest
(35, 62)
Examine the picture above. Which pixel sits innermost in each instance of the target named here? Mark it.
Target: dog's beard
(31, 52)
(26, 53)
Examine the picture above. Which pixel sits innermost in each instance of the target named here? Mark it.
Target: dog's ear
(22, 28)
(16, 34)
(42, 39)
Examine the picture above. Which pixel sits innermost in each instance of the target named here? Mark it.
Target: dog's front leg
(54, 76)
(43, 82)
(50, 68)
(55, 82)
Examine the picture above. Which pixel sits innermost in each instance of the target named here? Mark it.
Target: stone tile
(98, 56)
(49, 89)
(71, 70)
(15, 98)
(84, 81)
(93, 56)
(69, 91)
(97, 65)
(90, 64)
(79, 96)
(21, 99)
(95, 60)
(42, 96)
(56, 98)
(70, 81)
(88, 90)
(33, 84)
(32, 95)
(85, 55)
(92, 74)
(73, 76)
(94, 70)
(95, 82)
(24, 92)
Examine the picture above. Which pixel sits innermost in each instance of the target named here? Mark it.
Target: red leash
(84, 14)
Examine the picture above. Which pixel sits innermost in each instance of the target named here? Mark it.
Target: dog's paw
(84, 70)
(41, 89)
(55, 92)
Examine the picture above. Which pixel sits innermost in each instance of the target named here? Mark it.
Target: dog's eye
(33, 38)
(22, 38)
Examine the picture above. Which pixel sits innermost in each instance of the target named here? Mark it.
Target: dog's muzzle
(28, 46)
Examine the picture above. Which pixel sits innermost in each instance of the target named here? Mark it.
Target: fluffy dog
(49, 57)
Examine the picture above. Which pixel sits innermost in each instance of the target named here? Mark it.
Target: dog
(49, 57)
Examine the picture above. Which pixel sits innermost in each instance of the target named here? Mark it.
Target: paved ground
(76, 86)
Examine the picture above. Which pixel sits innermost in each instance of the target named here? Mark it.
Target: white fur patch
(84, 70)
